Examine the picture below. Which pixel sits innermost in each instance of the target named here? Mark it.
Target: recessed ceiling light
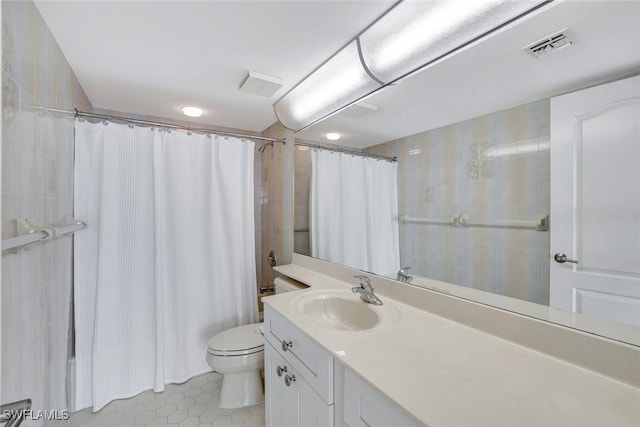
(333, 136)
(192, 111)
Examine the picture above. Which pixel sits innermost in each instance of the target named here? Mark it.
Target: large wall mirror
(481, 180)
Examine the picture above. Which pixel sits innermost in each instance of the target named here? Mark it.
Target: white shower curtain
(354, 211)
(168, 258)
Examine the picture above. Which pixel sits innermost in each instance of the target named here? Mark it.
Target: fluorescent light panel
(415, 33)
(408, 37)
(338, 82)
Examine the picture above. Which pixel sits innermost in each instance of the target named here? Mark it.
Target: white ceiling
(496, 73)
(150, 58)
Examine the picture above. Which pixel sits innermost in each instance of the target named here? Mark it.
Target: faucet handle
(405, 269)
(364, 280)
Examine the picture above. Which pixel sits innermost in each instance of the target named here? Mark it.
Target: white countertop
(447, 374)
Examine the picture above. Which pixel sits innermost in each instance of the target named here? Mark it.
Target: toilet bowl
(238, 354)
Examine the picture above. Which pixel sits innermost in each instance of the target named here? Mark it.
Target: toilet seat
(238, 341)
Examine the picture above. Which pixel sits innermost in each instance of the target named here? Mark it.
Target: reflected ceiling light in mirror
(338, 82)
(416, 33)
(333, 136)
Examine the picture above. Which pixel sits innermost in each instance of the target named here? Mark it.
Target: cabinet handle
(289, 379)
(286, 345)
(281, 370)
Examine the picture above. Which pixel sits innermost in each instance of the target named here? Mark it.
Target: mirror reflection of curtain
(354, 211)
(168, 259)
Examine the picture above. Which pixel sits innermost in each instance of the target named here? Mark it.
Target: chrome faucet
(403, 275)
(365, 290)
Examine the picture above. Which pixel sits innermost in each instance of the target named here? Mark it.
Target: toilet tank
(285, 284)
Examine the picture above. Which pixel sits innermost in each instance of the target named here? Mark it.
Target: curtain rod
(346, 151)
(78, 113)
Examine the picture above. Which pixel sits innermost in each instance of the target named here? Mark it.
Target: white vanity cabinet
(290, 400)
(301, 389)
(298, 376)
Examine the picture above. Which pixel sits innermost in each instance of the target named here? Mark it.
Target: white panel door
(595, 201)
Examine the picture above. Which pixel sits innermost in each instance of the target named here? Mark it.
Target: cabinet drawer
(366, 407)
(307, 357)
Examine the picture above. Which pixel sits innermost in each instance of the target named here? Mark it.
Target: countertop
(444, 373)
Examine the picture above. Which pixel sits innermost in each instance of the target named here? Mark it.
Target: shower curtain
(354, 211)
(168, 258)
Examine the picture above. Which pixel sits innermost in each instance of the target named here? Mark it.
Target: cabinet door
(276, 396)
(295, 404)
(365, 407)
(304, 354)
(311, 410)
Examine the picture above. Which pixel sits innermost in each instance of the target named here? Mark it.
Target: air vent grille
(550, 44)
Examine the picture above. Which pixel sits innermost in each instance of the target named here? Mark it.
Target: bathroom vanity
(333, 360)
(305, 387)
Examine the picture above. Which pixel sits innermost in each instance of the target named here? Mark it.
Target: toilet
(238, 354)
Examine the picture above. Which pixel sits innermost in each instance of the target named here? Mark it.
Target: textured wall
(275, 197)
(37, 182)
(493, 167)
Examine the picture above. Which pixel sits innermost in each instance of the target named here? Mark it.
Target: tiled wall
(275, 197)
(37, 182)
(493, 167)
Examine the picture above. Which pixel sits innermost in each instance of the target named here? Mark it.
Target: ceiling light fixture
(336, 83)
(414, 34)
(409, 37)
(333, 136)
(192, 111)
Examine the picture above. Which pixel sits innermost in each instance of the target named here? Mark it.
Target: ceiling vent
(261, 84)
(550, 44)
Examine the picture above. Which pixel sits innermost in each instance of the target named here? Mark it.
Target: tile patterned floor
(191, 404)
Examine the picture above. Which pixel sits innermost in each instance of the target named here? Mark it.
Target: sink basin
(337, 309)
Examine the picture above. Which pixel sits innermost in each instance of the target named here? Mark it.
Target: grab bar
(461, 220)
(27, 232)
(25, 239)
(13, 413)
